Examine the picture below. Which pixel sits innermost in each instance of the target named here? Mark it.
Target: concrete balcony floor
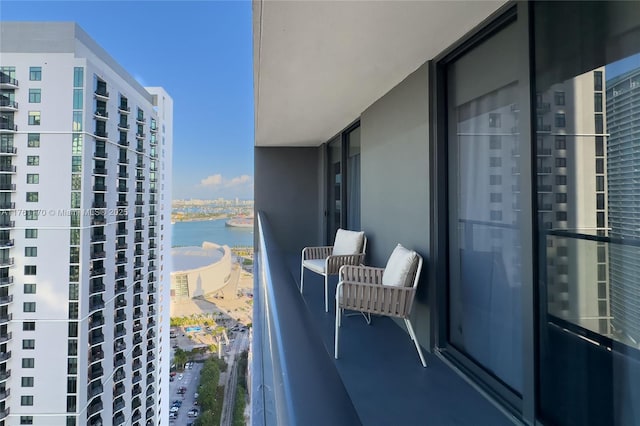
(381, 371)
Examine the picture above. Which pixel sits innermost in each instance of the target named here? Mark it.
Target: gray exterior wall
(395, 181)
(289, 191)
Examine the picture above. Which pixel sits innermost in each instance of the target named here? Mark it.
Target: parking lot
(190, 379)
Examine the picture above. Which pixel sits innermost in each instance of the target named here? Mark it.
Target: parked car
(193, 412)
(177, 403)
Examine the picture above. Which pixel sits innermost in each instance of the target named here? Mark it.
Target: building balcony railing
(96, 321)
(7, 82)
(122, 203)
(121, 260)
(8, 150)
(140, 149)
(139, 215)
(101, 93)
(5, 338)
(97, 271)
(122, 232)
(124, 109)
(118, 405)
(122, 246)
(120, 289)
(100, 154)
(123, 142)
(100, 171)
(136, 379)
(140, 177)
(4, 375)
(4, 394)
(100, 187)
(96, 238)
(8, 127)
(5, 355)
(98, 254)
(7, 243)
(101, 114)
(123, 160)
(7, 205)
(140, 120)
(123, 126)
(94, 389)
(4, 413)
(7, 261)
(5, 300)
(8, 104)
(4, 281)
(101, 134)
(7, 168)
(123, 188)
(95, 355)
(7, 186)
(97, 288)
(119, 361)
(140, 136)
(96, 373)
(140, 165)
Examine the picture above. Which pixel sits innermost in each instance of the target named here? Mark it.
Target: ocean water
(215, 231)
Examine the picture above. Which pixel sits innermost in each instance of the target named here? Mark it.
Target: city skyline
(205, 66)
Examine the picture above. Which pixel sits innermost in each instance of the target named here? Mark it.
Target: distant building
(85, 178)
(199, 270)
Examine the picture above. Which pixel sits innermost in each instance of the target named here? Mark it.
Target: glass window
(31, 233)
(597, 102)
(26, 400)
(29, 289)
(28, 344)
(72, 365)
(33, 160)
(78, 77)
(76, 164)
(561, 142)
(28, 362)
(33, 178)
(29, 325)
(30, 269)
(33, 140)
(31, 214)
(34, 118)
(32, 197)
(27, 382)
(559, 98)
(34, 96)
(77, 98)
(31, 251)
(35, 73)
(484, 239)
(597, 80)
(76, 144)
(560, 120)
(26, 420)
(77, 121)
(73, 291)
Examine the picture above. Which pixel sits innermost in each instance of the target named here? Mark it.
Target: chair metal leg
(415, 341)
(301, 278)
(338, 320)
(326, 293)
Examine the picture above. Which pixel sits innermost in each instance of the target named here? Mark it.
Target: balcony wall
(395, 181)
(290, 191)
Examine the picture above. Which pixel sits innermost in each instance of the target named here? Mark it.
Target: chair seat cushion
(399, 267)
(348, 242)
(316, 265)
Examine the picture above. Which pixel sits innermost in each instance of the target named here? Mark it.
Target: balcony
(124, 109)
(94, 390)
(98, 254)
(100, 171)
(101, 114)
(292, 333)
(120, 289)
(96, 338)
(123, 127)
(5, 300)
(121, 260)
(7, 261)
(7, 82)
(139, 215)
(100, 154)
(101, 134)
(4, 356)
(7, 104)
(8, 127)
(140, 136)
(140, 120)
(96, 321)
(140, 149)
(123, 160)
(96, 271)
(119, 361)
(4, 281)
(121, 232)
(123, 142)
(5, 338)
(96, 355)
(99, 204)
(122, 203)
(8, 150)
(123, 188)
(99, 187)
(118, 405)
(97, 238)
(140, 165)
(101, 94)
(122, 246)
(96, 372)
(7, 187)
(4, 394)
(97, 288)
(7, 168)
(139, 177)
(7, 243)
(95, 305)
(4, 375)
(121, 275)
(4, 413)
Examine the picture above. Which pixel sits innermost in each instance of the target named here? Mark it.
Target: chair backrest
(348, 242)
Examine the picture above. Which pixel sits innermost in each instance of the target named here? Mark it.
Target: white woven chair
(385, 291)
(349, 248)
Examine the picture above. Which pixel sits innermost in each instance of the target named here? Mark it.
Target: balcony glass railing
(284, 349)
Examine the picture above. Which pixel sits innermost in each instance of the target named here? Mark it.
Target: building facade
(497, 139)
(85, 227)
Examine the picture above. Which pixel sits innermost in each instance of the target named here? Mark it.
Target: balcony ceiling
(319, 64)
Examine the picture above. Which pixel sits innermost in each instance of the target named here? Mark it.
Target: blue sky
(201, 53)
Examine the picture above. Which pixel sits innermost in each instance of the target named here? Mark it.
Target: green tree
(180, 358)
(207, 418)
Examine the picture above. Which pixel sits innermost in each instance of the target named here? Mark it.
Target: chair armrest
(361, 274)
(335, 262)
(316, 252)
(375, 298)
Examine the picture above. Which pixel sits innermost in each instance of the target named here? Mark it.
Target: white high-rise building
(85, 202)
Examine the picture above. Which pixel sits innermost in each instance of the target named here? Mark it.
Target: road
(240, 343)
(190, 380)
